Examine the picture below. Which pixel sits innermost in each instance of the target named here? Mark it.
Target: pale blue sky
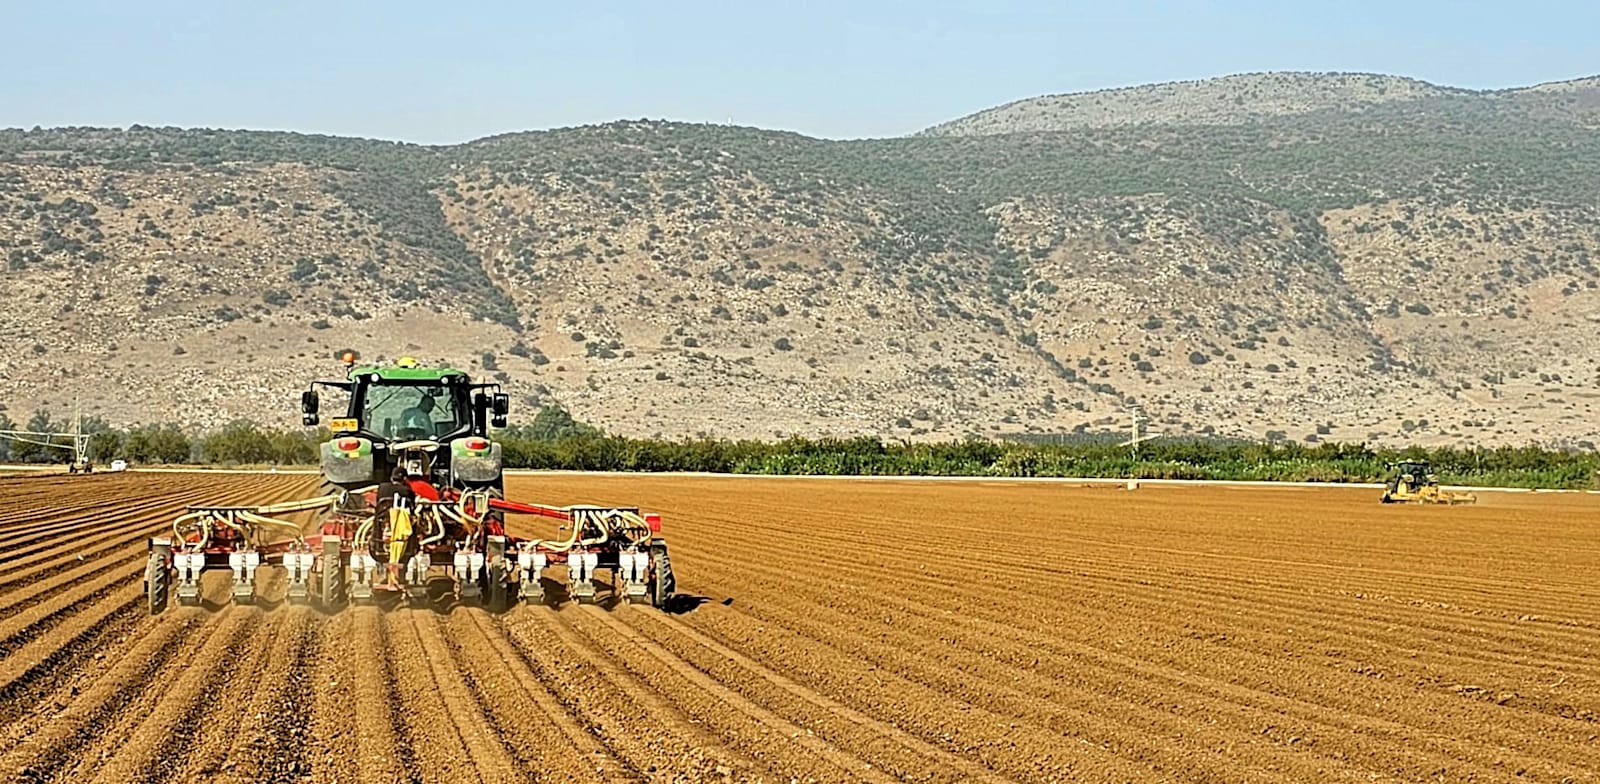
(449, 72)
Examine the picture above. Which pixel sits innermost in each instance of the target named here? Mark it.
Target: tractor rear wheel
(662, 584)
(156, 587)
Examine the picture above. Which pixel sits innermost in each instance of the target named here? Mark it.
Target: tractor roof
(406, 369)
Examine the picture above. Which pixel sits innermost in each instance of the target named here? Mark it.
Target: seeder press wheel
(495, 570)
(333, 580)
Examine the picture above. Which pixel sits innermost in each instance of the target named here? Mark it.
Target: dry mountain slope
(1257, 97)
(1364, 271)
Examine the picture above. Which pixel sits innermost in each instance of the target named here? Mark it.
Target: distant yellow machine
(1413, 482)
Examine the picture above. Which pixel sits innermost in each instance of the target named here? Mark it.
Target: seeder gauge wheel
(156, 585)
(662, 584)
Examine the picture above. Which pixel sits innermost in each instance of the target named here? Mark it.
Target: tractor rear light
(654, 521)
(348, 444)
(476, 444)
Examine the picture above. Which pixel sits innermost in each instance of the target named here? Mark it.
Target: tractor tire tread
(157, 587)
(662, 583)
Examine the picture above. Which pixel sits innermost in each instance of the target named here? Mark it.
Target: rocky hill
(1337, 264)
(1266, 97)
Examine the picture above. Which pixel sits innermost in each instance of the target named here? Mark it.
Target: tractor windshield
(403, 412)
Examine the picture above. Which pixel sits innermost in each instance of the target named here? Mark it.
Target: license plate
(344, 425)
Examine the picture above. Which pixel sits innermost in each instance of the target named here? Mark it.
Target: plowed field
(841, 631)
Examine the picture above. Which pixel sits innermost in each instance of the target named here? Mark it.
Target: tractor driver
(417, 421)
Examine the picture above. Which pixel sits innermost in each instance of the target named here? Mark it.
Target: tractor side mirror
(308, 407)
(501, 406)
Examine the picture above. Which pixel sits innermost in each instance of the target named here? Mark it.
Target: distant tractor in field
(414, 505)
(1414, 482)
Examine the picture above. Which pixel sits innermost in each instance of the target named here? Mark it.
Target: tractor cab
(431, 421)
(1416, 472)
(401, 409)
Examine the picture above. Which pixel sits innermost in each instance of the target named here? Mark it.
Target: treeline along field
(554, 441)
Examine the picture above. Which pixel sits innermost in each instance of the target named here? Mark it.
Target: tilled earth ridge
(840, 631)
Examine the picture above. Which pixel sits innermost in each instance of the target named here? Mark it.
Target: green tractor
(430, 423)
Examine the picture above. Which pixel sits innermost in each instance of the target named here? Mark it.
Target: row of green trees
(1159, 459)
(553, 440)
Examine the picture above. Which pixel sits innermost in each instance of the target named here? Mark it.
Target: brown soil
(842, 631)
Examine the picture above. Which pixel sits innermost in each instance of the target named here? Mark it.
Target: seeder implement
(417, 515)
(458, 541)
(621, 540)
(232, 536)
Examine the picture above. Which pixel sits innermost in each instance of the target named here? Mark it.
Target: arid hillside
(1250, 98)
(1352, 269)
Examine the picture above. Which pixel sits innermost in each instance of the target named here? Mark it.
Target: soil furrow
(46, 751)
(1216, 696)
(640, 728)
(383, 746)
(133, 749)
(279, 745)
(225, 714)
(544, 738)
(486, 757)
(807, 747)
(838, 631)
(57, 649)
(966, 769)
